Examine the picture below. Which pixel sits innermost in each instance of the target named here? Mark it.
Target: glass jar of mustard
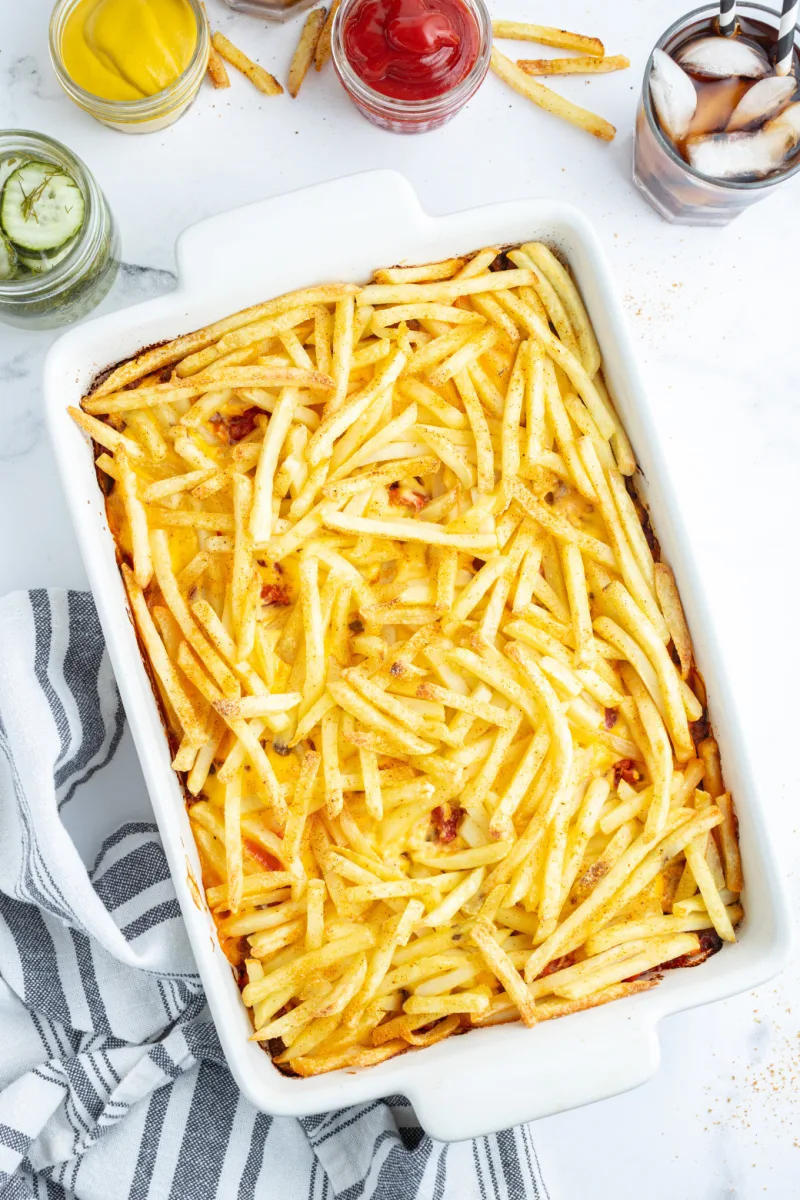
(59, 247)
(135, 75)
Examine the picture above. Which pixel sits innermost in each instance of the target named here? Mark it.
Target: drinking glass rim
(735, 185)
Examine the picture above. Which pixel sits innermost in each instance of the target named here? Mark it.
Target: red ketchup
(411, 49)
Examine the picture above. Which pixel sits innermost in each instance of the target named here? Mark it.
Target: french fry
(405, 290)
(411, 531)
(354, 1056)
(626, 931)
(315, 914)
(104, 435)
(695, 857)
(216, 69)
(483, 935)
(631, 524)
(278, 913)
(337, 422)
(549, 100)
(298, 813)
(306, 49)
(454, 901)
(313, 632)
(445, 269)
(260, 78)
(671, 607)
(562, 39)
(575, 579)
(586, 65)
(233, 842)
(729, 843)
(511, 798)
(439, 1006)
(634, 621)
(461, 860)
(215, 666)
(261, 512)
(561, 280)
(162, 665)
(548, 298)
(470, 352)
(635, 579)
(137, 519)
(322, 51)
(661, 750)
(140, 398)
(330, 760)
(512, 415)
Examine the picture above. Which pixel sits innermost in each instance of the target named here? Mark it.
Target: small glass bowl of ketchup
(410, 65)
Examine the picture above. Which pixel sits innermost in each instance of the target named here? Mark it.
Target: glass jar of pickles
(59, 250)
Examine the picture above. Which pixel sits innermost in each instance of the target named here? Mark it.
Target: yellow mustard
(128, 49)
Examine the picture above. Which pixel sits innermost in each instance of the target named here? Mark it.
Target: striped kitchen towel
(112, 1082)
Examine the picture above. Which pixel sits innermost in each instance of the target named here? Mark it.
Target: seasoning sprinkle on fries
(433, 700)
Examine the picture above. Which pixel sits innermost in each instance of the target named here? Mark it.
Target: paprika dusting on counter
(128, 49)
(411, 49)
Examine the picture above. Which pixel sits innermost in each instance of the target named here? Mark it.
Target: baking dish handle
(248, 242)
(509, 1089)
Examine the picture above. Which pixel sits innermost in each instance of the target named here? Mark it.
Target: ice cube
(787, 123)
(739, 155)
(722, 57)
(673, 94)
(762, 101)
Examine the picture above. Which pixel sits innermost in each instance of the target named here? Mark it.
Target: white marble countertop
(714, 318)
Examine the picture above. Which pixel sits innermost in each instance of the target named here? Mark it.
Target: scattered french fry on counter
(217, 71)
(573, 66)
(561, 39)
(323, 48)
(549, 100)
(266, 83)
(306, 48)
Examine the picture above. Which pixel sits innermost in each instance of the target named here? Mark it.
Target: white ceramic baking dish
(494, 1077)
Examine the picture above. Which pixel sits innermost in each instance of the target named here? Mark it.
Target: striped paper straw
(727, 17)
(784, 48)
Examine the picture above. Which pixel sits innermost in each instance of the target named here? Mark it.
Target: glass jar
(411, 116)
(272, 10)
(669, 183)
(149, 114)
(76, 284)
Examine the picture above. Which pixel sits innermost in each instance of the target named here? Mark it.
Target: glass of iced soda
(718, 125)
